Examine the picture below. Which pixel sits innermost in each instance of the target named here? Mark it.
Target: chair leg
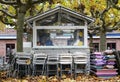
(47, 72)
(57, 70)
(18, 70)
(75, 70)
(60, 70)
(71, 71)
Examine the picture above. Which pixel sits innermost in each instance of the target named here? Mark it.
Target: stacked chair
(39, 64)
(66, 64)
(80, 62)
(23, 62)
(52, 65)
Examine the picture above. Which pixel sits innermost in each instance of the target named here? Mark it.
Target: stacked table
(102, 64)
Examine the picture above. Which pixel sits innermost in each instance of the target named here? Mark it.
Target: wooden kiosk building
(60, 30)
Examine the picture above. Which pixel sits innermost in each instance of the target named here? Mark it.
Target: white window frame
(35, 28)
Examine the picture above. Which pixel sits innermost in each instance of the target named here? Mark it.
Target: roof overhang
(109, 35)
(6, 37)
(59, 9)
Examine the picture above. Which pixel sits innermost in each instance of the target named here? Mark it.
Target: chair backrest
(23, 58)
(1, 61)
(39, 55)
(53, 58)
(66, 57)
(39, 58)
(79, 57)
(23, 55)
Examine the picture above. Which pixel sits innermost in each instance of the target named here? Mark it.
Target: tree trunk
(20, 25)
(91, 43)
(102, 40)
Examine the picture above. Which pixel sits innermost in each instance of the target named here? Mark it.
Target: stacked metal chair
(80, 62)
(1, 61)
(52, 65)
(66, 64)
(23, 61)
(4, 66)
(39, 64)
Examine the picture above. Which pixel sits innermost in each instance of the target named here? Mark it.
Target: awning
(6, 36)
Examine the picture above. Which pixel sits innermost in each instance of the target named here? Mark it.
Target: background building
(112, 41)
(8, 41)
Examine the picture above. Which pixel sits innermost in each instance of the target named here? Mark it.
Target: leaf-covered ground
(80, 78)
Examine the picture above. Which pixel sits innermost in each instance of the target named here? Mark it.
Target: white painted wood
(67, 47)
(85, 35)
(34, 35)
(59, 27)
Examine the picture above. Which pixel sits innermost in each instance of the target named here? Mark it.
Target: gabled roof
(60, 9)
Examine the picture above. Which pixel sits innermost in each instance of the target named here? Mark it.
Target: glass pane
(96, 47)
(63, 20)
(58, 37)
(111, 45)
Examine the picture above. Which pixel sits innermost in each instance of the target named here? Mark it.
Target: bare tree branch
(93, 32)
(8, 14)
(19, 2)
(8, 2)
(38, 1)
(5, 22)
(92, 10)
(103, 13)
(41, 10)
(94, 27)
(114, 5)
(115, 27)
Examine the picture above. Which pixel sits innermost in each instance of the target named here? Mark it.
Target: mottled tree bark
(102, 40)
(91, 42)
(20, 24)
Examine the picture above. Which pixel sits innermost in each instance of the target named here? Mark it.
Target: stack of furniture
(23, 61)
(39, 64)
(110, 70)
(97, 62)
(66, 64)
(43, 64)
(80, 63)
(102, 64)
(52, 65)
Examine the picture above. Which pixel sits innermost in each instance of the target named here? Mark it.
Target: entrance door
(9, 48)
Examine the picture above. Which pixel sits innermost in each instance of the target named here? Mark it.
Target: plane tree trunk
(20, 26)
(102, 40)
